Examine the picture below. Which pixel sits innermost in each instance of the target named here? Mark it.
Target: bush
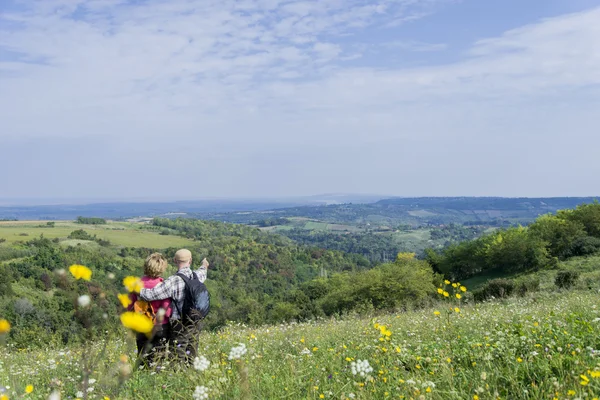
(566, 279)
(584, 246)
(80, 234)
(497, 288)
(527, 285)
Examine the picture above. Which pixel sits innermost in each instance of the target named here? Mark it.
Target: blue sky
(263, 98)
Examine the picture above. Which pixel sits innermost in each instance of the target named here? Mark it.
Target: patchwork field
(118, 233)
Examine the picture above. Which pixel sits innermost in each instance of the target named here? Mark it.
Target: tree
(560, 234)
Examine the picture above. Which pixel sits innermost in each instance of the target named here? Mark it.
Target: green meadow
(126, 234)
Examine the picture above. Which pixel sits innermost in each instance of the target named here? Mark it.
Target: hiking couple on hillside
(176, 304)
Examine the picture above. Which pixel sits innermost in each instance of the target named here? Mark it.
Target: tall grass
(542, 346)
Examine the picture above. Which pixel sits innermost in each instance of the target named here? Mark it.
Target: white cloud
(245, 79)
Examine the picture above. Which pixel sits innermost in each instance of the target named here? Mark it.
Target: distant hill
(419, 211)
(52, 210)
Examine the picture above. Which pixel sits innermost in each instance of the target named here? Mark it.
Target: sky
(187, 99)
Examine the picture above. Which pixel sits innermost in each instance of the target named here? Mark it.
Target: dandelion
(448, 360)
(456, 309)
(584, 380)
(137, 322)
(200, 393)
(28, 389)
(125, 300)
(436, 313)
(440, 291)
(571, 392)
(519, 359)
(458, 296)
(84, 301)
(3, 397)
(446, 294)
(447, 282)
(237, 352)
(463, 289)
(201, 363)
(361, 367)
(4, 326)
(321, 396)
(133, 284)
(80, 272)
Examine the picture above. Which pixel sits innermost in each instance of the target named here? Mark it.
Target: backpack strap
(186, 292)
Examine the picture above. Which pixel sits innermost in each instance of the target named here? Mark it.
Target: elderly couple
(171, 303)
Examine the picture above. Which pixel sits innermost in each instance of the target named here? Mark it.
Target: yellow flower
(315, 348)
(519, 359)
(446, 294)
(436, 313)
(29, 389)
(348, 359)
(80, 272)
(133, 284)
(440, 291)
(454, 285)
(428, 390)
(321, 396)
(463, 289)
(125, 300)
(584, 380)
(456, 309)
(458, 296)
(447, 282)
(571, 393)
(4, 326)
(302, 340)
(137, 322)
(3, 397)
(475, 397)
(448, 360)
(595, 374)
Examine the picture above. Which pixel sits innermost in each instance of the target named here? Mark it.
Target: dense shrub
(496, 288)
(584, 246)
(527, 285)
(566, 279)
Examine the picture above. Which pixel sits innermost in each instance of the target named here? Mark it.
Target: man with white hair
(174, 287)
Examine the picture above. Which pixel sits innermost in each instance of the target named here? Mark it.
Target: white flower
(84, 300)
(201, 363)
(79, 394)
(361, 367)
(91, 381)
(200, 393)
(237, 352)
(111, 275)
(305, 351)
(54, 396)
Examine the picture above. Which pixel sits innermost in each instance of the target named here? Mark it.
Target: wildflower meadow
(541, 346)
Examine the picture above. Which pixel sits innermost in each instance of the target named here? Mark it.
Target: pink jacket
(165, 304)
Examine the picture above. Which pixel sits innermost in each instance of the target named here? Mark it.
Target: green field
(118, 233)
(539, 347)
